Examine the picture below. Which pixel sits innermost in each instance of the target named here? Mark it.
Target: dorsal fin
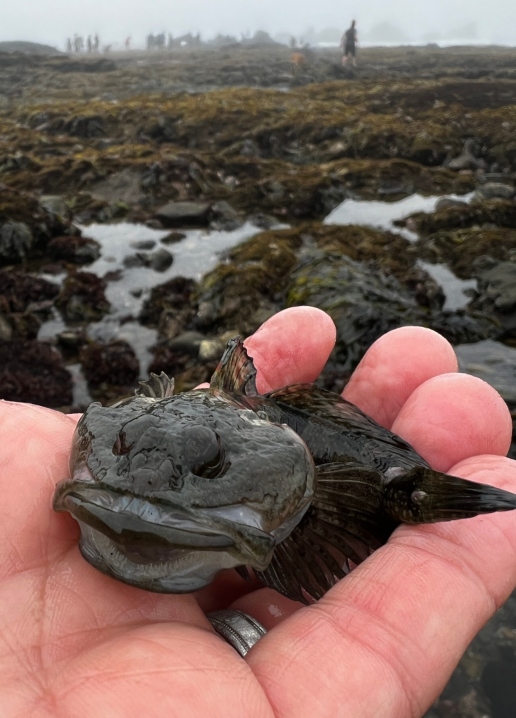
(156, 387)
(235, 373)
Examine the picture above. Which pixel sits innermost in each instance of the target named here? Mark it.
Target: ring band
(237, 628)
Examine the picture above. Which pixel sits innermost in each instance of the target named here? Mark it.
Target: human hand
(74, 642)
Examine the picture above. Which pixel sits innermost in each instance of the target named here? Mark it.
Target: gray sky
(51, 21)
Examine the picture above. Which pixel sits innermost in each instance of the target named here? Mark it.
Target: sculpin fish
(297, 486)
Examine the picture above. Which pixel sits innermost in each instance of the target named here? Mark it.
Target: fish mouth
(158, 546)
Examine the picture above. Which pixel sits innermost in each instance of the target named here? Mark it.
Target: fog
(51, 21)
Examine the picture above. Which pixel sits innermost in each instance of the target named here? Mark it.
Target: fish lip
(113, 513)
(117, 513)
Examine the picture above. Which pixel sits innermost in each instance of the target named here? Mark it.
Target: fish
(295, 487)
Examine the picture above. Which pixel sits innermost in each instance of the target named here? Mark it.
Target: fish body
(298, 485)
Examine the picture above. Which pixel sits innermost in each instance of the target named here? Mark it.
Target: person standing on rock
(348, 44)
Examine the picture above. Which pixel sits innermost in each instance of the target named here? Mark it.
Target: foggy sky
(51, 21)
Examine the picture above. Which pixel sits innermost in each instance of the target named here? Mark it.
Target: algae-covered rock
(460, 248)
(245, 292)
(26, 226)
(169, 301)
(75, 249)
(501, 213)
(33, 371)
(364, 304)
(19, 290)
(114, 363)
(82, 297)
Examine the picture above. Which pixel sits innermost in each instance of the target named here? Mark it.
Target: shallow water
(382, 215)
(193, 256)
(455, 289)
(199, 252)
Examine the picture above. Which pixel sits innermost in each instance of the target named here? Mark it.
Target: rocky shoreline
(239, 149)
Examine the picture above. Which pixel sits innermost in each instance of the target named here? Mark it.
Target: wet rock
(55, 204)
(497, 292)
(19, 290)
(154, 223)
(159, 261)
(225, 217)
(82, 297)
(123, 186)
(75, 249)
(173, 297)
(33, 371)
(263, 221)
(186, 343)
(26, 226)
(173, 237)
(493, 362)
(177, 214)
(448, 203)
(15, 242)
(70, 340)
(114, 363)
(495, 190)
(467, 159)
(144, 244)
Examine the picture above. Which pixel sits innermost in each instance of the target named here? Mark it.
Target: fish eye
(203, 452)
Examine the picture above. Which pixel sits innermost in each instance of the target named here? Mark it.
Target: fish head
(170, 491)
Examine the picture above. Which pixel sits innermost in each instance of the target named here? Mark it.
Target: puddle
(454, 288)
(193, 256)
(382, 215)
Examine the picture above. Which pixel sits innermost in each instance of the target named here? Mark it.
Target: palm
(76, 643)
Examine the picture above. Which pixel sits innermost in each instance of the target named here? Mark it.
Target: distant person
(89, 43)
(349, 45)
(128, 43)
(68, 45)
(96, 43)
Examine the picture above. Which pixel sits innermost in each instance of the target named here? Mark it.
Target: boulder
(178, 214)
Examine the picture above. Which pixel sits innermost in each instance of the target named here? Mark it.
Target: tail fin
(423, 496)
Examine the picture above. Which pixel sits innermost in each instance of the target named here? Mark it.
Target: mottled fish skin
(297, 486)
(170, 489)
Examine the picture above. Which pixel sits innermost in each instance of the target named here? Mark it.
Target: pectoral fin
(344, 525)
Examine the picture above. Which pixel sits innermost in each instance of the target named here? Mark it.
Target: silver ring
(237, 628)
